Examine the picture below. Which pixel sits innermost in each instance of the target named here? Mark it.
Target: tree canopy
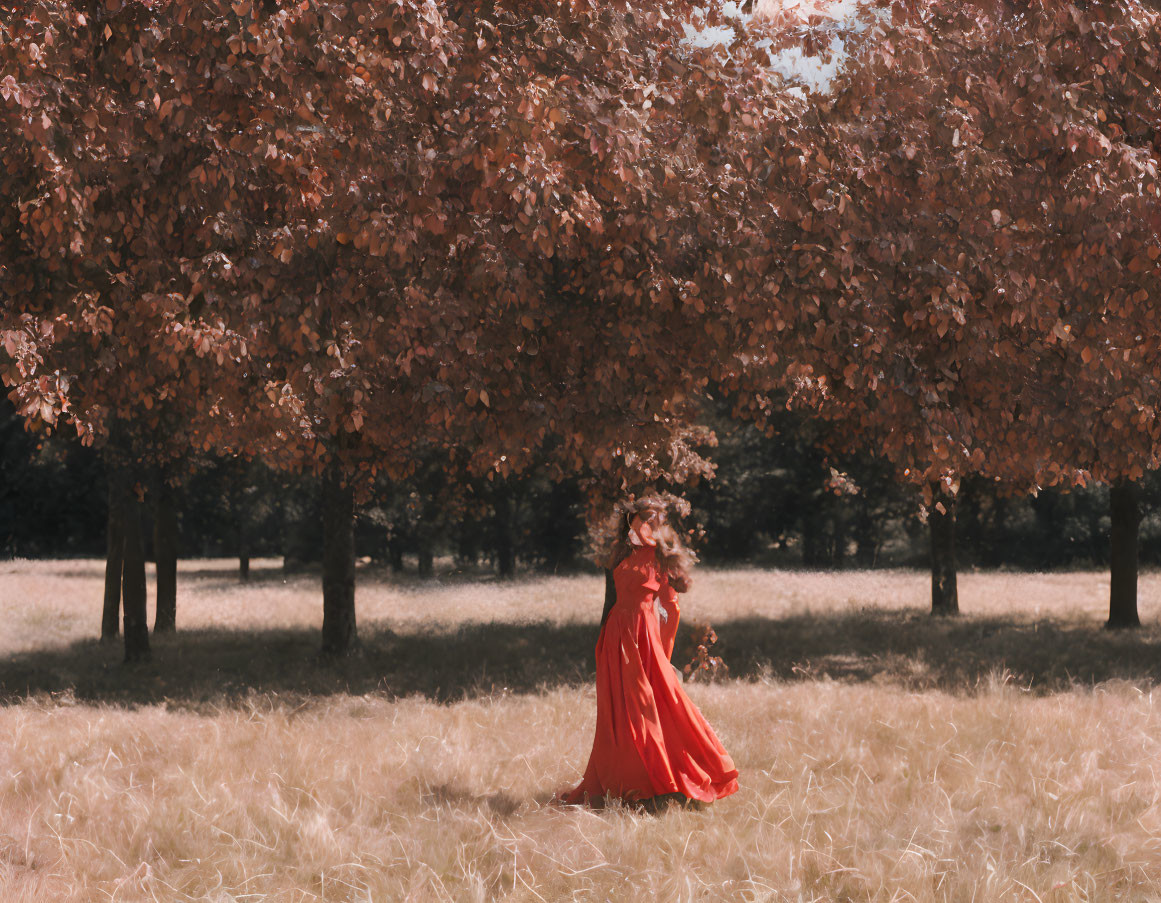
(979, 209)
(347, 229)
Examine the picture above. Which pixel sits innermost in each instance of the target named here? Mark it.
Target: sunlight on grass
(57, 602)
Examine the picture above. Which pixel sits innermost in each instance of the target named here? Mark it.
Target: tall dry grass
(925, 772)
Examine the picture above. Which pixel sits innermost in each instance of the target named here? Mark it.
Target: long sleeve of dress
(610, 596)
(667, 598)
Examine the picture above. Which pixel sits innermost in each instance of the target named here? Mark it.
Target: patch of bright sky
(809, 72)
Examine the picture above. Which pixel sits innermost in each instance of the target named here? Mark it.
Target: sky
(809, 73)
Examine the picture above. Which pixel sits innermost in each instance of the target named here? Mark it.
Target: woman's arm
(667, 596)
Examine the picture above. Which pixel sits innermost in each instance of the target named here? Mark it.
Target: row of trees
(773, 500)
(358, 237)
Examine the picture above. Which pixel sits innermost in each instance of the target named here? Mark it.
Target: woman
(651, 742)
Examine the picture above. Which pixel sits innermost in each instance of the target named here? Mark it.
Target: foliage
(702, 665)
(372, 227)
(978, 208)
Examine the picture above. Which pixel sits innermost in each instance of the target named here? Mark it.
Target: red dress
(650, 737)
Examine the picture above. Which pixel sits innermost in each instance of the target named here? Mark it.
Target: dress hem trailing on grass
(651, 741)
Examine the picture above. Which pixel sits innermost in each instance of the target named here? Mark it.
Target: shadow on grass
(212, 668)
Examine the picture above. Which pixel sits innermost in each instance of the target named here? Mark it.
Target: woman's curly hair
(610, 538)
(677, 559)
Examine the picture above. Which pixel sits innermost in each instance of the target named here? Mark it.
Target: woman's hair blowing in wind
(610, 538)
(675, 557)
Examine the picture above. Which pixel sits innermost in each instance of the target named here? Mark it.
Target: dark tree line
(774, 500)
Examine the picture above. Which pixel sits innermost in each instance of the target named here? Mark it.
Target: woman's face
(644, 522)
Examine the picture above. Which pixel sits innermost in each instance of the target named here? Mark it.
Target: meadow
(1009, 754)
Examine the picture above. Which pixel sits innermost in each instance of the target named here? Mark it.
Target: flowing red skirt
(650, 738)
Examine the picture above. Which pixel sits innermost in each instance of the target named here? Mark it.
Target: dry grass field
(1011, 754)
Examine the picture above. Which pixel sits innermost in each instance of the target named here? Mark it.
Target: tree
(978, 214)
(341, 263)
(99, 326)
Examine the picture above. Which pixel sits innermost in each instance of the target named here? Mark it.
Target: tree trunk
(299, 543)
(286, 524)
(561, 528)
(242, 533)
(395, 553)
(1000, 530)
(505, 549)
(115, 543)
(812, 535)
(866, 538)
(133, 586)
(839, 553)
(426, 558)
(1125, 515)
(339, 635)
(944, 595)
(165, 553)
(1098, 549)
